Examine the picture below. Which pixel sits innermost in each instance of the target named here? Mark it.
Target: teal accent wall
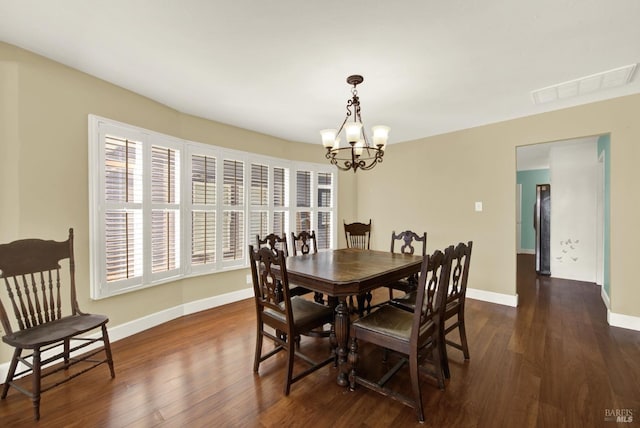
(604, 145)
(529, 179)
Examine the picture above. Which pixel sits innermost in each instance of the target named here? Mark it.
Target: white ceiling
(279, 66)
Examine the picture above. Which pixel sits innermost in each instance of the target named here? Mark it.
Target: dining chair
(275, 243)
(293, 315)
(455, 302)
(358, 235)
(53, 333)
(412, 335)
(408, 240)
(305, 243)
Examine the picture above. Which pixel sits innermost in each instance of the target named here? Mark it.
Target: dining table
(347, 272)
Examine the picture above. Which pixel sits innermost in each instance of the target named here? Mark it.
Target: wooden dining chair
(293, 315)
(358, 235)
(455, 302)
(412, 335)
(305, 243)
(53, 333)
(407, 242)
(275, 243)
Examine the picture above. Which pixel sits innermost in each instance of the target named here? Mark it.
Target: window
(144, 232)
(135, 208)
(326, 213)
(259, 223)
(315, 205)
(203, 210)
(233, 211)
(280, 224)
(123, 208)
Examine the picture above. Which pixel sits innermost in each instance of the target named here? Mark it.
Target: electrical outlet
(478, 206)
(249, 280)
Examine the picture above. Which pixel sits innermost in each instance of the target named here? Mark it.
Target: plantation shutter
(325, 210)
(203, 212)
(165, 211)
(303, 201)
(259, 200)
(123, 208)
(280, 201)
(233, 212)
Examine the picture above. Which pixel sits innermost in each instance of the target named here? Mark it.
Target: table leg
(342, 337)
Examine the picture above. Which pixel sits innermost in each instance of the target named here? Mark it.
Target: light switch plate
(478, 206)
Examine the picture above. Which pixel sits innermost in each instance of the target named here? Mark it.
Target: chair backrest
(358, 235)
(432, 286)
(274, 242)
(31, 272)
(304, 243)
(409, 239)
(270, 286)
(461, 258)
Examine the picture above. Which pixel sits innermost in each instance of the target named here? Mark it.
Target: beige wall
(44, 110)
(435, 182)
(430, 184)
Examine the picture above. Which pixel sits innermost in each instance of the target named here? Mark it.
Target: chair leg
(107, 350)
(35, 399)
(291, 352)
(463, 337)
(258, 354)
(444, 358)
(12, 370)
(436, 354)
(414, 373)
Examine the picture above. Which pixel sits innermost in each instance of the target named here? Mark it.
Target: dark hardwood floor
(552, 362)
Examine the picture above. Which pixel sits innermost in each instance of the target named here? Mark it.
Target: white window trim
(101, 289)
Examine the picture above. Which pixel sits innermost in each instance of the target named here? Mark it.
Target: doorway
(576, 171)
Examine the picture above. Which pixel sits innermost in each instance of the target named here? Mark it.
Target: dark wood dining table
(347, 272)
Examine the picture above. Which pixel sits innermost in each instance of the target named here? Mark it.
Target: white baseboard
(136, 326)
(526, 251)
(492, 297)
(624, 321)
(619, 320)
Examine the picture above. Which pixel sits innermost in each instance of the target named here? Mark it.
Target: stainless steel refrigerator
(542, 225)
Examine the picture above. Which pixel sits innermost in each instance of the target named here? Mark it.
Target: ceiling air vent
(584, 85)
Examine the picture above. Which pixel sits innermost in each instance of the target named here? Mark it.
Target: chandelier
(358, 154)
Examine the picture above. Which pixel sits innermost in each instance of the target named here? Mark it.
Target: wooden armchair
(32, 276)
